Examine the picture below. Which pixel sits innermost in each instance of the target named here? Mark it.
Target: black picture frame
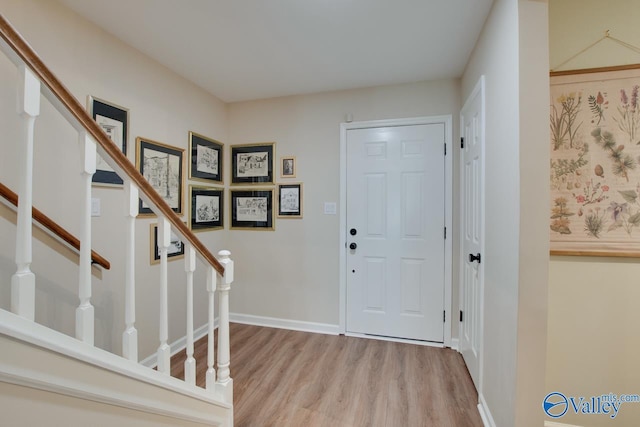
(252, 163)
(251, 209)
(207, 208)
(206, 156)
(162, 166)
(114, 120)
(290, 200)
(176, 248)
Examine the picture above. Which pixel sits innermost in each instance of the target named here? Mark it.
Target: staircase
(42, 368)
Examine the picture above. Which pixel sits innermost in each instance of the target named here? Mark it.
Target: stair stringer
(47, 361)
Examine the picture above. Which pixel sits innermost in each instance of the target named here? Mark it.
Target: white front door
(395, 219)
(472, 231)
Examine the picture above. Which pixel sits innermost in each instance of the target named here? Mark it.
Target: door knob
(473, 258)
(353, 246)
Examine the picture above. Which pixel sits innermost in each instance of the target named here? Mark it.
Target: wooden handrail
(77, 111)
(54, 227)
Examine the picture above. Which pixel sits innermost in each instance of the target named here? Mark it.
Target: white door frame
(448, 196)
(478, 90)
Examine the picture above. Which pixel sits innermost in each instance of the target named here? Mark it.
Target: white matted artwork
(252, 209)
(252, 164)
(161, 165)
(174, 251)
(290, 200)
(205, 158)
(114, 121)
(207, 207)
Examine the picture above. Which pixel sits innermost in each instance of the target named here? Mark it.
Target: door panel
(472, 233)
(395, 201)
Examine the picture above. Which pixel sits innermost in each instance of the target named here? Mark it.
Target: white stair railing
(130, 334)
(23, 282)
(37, 79)
(85, 313)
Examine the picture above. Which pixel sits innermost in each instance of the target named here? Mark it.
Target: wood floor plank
(287, 378)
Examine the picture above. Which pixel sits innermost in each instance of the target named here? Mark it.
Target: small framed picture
(290, 200)
(252, 209)
(206, 158)
(161, 165)
(207, 206)
(287, 167)
(176, 247)
(252, 164)
(114, 120)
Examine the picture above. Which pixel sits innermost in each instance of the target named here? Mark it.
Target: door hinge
(445, 148)
(445, 233)
(462, 142)
(461, 315)
(444, 316)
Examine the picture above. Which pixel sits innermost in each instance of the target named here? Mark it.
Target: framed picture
(207, 206)
(176, 247)
(287, 167)
(114, 120)
(595, 162)
(252, 164)
(290, 200)
(206, 158)
(252, 209)
(161, 165)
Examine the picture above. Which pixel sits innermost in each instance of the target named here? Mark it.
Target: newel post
(23, 282)
(224, 382)
(85, 311)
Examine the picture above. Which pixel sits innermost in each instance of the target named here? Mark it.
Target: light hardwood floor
(286, 378)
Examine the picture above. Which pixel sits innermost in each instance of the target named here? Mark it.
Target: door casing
(448, 141)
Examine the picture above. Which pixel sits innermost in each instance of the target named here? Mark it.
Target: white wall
(292, 273)
(163, 107)
(534, 211)
(594, 344)
(514, 292)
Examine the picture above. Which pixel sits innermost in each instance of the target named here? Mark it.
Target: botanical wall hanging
(595, 162)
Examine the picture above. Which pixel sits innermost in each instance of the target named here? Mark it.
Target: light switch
(95, 206)
(330, 208)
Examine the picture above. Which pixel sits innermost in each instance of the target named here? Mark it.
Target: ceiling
(252, 49)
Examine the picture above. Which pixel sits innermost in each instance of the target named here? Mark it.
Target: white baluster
(190, 267)
(85, 311)
(224, 382)
(23, 282)
(130, 334)
(211, 288)
(164, 351)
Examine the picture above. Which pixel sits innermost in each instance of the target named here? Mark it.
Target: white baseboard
(485, 413)
(294, 325)
(555, 424)
(178, 345)
(455, 344)
(248, 319)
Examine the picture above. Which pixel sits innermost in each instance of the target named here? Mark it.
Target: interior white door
(395, 231)
(472, 231)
